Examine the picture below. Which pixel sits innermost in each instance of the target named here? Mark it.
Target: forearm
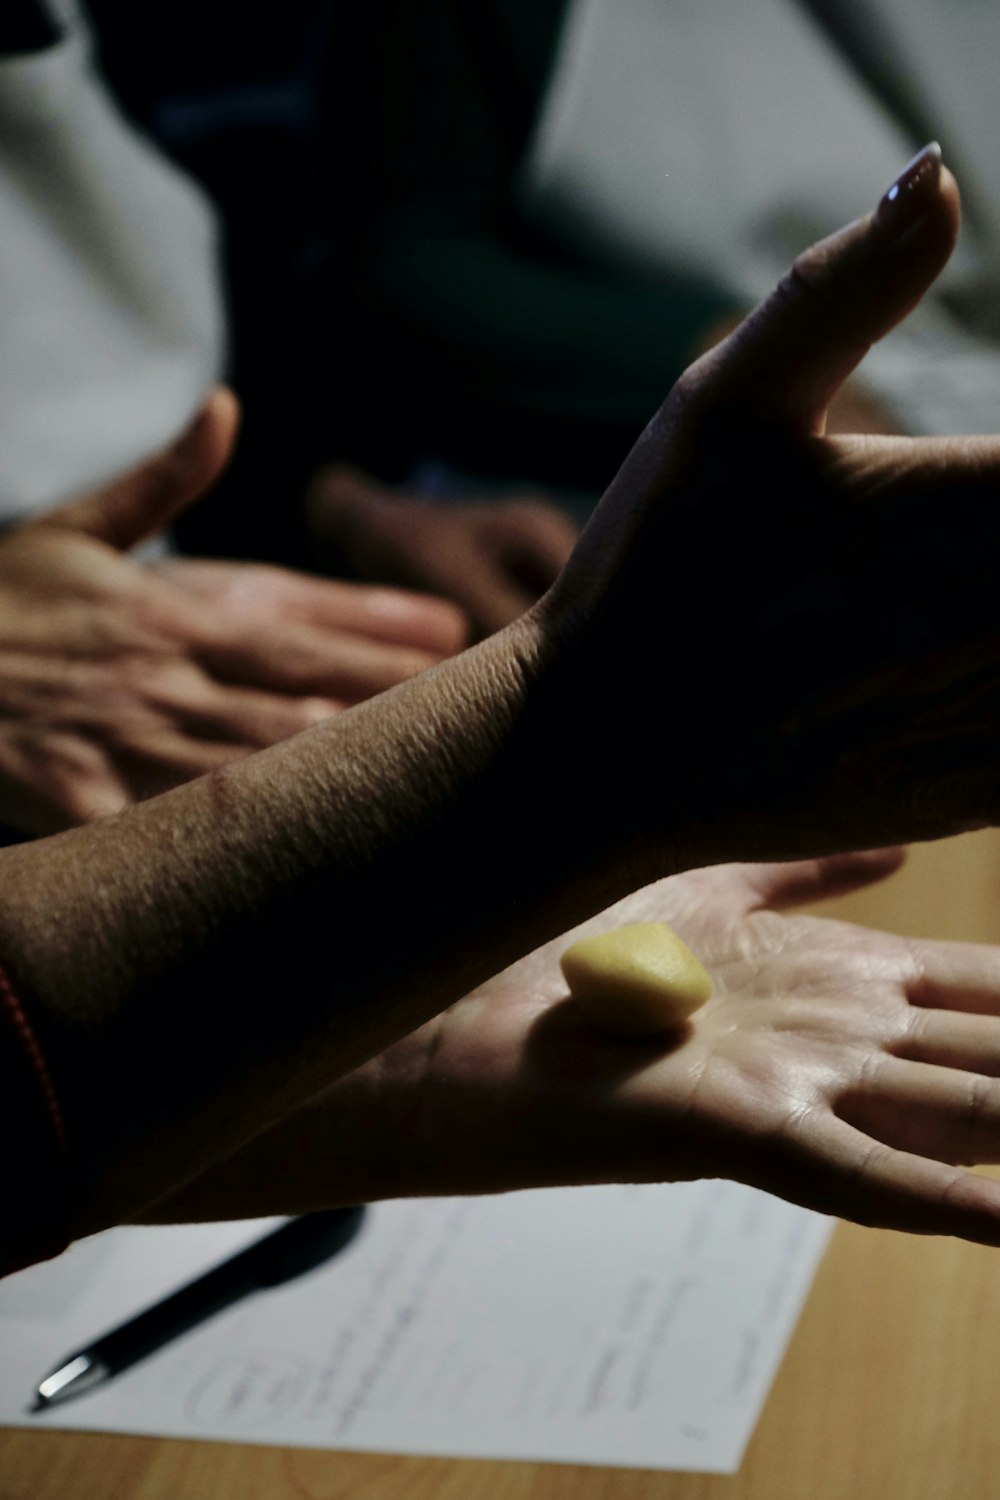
(170, 956)
(359, 1141)
(504, 1091)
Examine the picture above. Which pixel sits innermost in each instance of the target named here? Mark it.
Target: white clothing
(724, 138)
(111, 322)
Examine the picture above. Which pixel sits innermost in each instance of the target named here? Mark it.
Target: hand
(118, 680)
(770, 642)
(494, 558)
(841, 1068)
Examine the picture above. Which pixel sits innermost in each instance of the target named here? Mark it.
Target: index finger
(392, 615)
(310, 662)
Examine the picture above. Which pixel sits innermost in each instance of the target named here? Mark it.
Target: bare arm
(849, 1070)
(173, 956)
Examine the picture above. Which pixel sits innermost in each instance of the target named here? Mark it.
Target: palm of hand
(835, 1066)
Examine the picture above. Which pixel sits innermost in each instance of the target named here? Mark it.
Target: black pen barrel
(296, 1247)
(308, 1241)
(175, 1315)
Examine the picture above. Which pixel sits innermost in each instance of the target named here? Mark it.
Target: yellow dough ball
(636, 980)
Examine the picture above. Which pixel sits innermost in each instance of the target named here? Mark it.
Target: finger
(945, 1113)
(792, 354)
(147, 499)
(535, 540)
(467, 565)
(312, 663)
(251, 719)
(952, 1039)
(475, 575)
(955, 976)
(182, 706)
(837, 1169)
(51, 780)
(492, 599)
(155, 758)
(394, 616)
(801, 882)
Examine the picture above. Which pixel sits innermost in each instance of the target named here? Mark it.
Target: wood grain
(888, 1391)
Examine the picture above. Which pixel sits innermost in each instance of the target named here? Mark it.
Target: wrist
(613, 801)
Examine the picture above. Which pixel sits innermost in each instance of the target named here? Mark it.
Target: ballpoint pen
(289, 1251)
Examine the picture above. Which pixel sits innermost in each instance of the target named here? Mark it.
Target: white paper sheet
(626, 1326)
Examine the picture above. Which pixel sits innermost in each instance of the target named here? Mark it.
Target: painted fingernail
(910, 194)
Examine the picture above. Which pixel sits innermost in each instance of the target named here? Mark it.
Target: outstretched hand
(841, 1068)
(772, 643)
(119, 680)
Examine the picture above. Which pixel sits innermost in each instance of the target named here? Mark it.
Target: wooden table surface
(888, 1391)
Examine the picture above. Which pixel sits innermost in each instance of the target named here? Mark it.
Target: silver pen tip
(73, 1378)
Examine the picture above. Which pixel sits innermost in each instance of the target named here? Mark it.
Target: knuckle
(163, 682)
(955, 1192)
(916, 1031)
(863, 1200)
(137, 674)
(809, 277)
(981, 1103)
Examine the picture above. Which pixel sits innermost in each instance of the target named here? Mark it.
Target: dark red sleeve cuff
(34, 1163)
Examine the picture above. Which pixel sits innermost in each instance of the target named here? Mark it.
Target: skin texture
(749, 656)
(838, 1067)
(854, 409)
(118, 680)
(493, 558)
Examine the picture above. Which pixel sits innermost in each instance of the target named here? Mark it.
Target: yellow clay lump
(636, 980)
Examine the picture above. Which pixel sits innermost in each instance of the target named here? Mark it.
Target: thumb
(788, 359)
(801, 882)
(148, 498)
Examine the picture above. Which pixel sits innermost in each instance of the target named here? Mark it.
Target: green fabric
(499, 328)
(531, 331)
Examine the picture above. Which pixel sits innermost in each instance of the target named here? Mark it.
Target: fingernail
(910, 194)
